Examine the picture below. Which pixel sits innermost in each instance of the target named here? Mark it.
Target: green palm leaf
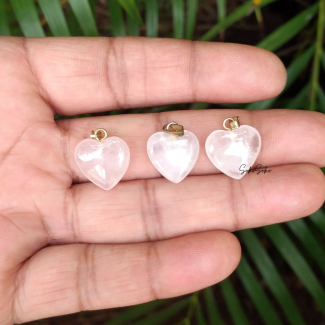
(318, 218)
(318, 53)
(284, 33)
(297, 101)
(116, 16)
(235, 16)
(132, 10)
(27, 18)
(297, 262)
(257, 294)
(165, 314)
(213, 311)
(152, 17)
(315, 248)
(178, 18)
(4, 22)
(133, 25)
(232, 301)
(85, 17)
(191, 18)
(199, 315)
(222, 7)
(271, 276)
(53, 13)
(73, 25)
(134, 313)
(322, 58)
(321, 98)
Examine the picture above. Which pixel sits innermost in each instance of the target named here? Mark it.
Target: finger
(83, 75)
(67, 279)
(287, 137)
(158, 209)
(18, 94)
(20, 238)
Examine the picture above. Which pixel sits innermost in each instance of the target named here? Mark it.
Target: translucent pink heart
(174, 157)
(103, 163)
(230, 151)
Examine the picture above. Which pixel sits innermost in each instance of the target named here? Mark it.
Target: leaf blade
(318, 54)
(321, 97)
(284, 33)
(135, 312)
(84, 15)
(165, 314)
(191, 18)
(232, 18)
(27, 18)
(297, 262)
(199, 315)
(235, 308)
(213, 312)
(221, 7)
(130, 6)
(4, 22)
(256, 293)
(311, 244)
(133, 27)
(271, 276)
(318, 218)
(116, 16)
(53, 13)
(178, 18)
(297, 101)
(152, 17)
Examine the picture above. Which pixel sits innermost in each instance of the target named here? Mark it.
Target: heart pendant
(104, 162)
(173, 156)
(234, 150)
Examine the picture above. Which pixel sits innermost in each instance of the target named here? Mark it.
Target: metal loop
(225, 121)
(169, 124)
(178, 130)
(234, 123)
(94, 135)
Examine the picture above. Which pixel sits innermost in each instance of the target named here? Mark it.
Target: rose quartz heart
(174, 157)
(103, 163)
(229, 150)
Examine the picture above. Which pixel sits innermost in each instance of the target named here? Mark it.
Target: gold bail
(174, 129)
(233, 122)
(94, 135)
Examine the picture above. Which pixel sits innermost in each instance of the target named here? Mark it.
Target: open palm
(67, 245)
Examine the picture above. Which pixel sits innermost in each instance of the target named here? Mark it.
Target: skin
(66, 245)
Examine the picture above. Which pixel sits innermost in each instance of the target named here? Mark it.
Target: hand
(67, 245)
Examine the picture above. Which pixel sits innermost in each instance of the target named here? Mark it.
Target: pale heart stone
(103, 163)
(229, 151)
(174, 157)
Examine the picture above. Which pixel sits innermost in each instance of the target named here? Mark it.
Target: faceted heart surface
(103, 163)
(174, 157)
(229, 151)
